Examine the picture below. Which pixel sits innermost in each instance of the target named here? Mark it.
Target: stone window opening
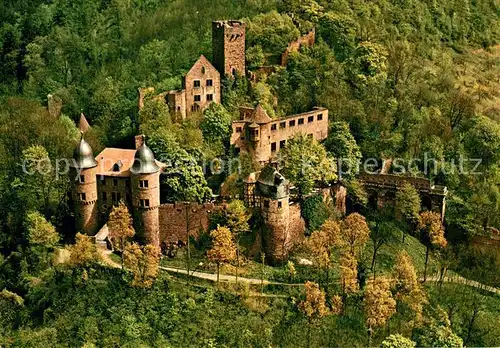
(301, 121)
(202, 69)
(239, 129)
(291, 123)
(195, 107)
(320, 117)
(115, 182)
(310, 119)
(266, 203)
(273, 147)
(178, 108)
(273, 127)
(82, 196)
(197, 83)
(280, 205)
(144, 203)
(143, 183)
(282, 125)
(210, 83)
(282, 144)
(233, 71)
(197, 97)
(81, 179)
(210, 97)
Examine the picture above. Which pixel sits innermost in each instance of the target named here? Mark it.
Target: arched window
(202, 69)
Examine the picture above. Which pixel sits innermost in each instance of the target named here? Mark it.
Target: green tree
(315, 212)
(40, 231)
(397, 341)
(272, 31)
(305, 162)
(342, 146)
(183, 179)
(483, 141)
(216, 124)
(408, 205)
(339, 31)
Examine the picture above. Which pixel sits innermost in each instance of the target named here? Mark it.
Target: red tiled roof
(110, 156)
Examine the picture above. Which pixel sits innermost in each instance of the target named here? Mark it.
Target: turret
(273, 191)
(145, 181)
(83, 175)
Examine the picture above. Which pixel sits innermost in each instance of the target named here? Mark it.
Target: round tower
(83, 175)
(273, 191)
(145, 181)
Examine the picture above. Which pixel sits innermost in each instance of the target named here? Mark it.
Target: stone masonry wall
(175, 218)
(86, 211)
(228, 47)
(305, 40)
(208, 78)
(274, 135)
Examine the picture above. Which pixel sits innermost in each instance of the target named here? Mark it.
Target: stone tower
(145, 182)
(83, 175)
(273, 190)
(228, 47)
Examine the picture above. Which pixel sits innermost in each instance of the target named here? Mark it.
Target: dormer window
(117, 166)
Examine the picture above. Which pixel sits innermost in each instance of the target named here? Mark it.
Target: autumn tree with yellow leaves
(120, 227)
(223, 247)
(378, 302)
(408, 289)
(349, 273)
(432, 234)
(84, 252)
(354, 232)
(143, 262)
(314, 306)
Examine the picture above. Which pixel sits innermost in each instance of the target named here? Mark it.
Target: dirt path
(254, 281)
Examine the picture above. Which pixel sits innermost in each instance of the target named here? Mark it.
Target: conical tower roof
(260, 115)
(83, 124)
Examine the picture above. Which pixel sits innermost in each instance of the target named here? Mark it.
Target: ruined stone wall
(305, 40)
(176, 218)
(208, 91)
(86, 210)
(274, 135)
(228, 47)
(176, 101)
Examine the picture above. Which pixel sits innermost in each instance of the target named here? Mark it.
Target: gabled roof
(203, 61)
(83, 124)
(259, 116)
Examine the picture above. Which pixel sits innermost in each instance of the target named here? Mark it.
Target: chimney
(139, 141)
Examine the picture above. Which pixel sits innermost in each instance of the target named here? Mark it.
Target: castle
(133, 177)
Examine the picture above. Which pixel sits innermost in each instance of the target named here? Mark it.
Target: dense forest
(405, 79)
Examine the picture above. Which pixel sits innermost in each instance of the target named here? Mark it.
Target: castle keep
(228, 47)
